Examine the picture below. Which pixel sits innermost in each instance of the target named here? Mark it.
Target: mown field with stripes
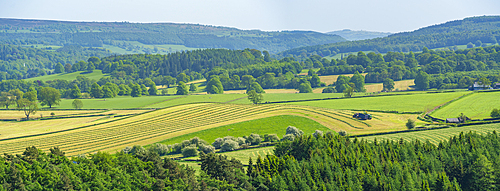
(157, 125)
(437, 135)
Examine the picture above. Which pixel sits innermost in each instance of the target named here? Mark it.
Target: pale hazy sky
(316, 15)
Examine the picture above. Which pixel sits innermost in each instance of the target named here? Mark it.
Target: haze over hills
(124, 35)
(359, 35)
(485, 29)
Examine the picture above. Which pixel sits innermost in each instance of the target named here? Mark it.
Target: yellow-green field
(171, 122)
(16, 114)
(435, 136)
(408, 103)
(475, 106)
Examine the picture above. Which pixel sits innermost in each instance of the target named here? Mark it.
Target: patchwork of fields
(171, 122)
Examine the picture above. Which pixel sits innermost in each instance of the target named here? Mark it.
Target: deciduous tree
(49, 96)
(29, 107)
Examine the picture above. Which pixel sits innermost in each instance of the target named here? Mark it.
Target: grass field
(96, 75)
(475, 106)
(410, 102)
(16, 114)
(163, 124)
(162, 49)
(398, 85)
(271, 125)
(330, 79)
(24, 128)
(273, 97)
(120, 102)
(435, 136)
(212, 98)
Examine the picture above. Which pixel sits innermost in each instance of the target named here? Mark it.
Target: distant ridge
(98, 34)
(485, 29)
(359, 35)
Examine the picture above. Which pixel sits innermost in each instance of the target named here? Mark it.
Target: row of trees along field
(460, 32)
(236, 69)
(325, 162)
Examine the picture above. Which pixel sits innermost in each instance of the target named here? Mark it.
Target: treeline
(453, 33)
(17, 62)
(400, 66)
(96, 34)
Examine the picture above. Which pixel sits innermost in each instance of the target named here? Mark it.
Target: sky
(267, 15)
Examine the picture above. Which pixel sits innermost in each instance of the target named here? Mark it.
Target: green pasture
(408, 103)
(271, 125)
(212, 98)
(95, 75)
(162, 49)
(244, 155)
(475, 106)
(120, 102)
(435, 136)
(273, 97)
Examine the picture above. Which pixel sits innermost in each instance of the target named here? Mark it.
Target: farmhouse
(477, 86)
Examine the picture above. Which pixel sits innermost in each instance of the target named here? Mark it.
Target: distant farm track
(170, 122)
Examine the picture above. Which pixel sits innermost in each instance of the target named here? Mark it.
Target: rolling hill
(359, 35)
(485, 29)
(125, 34)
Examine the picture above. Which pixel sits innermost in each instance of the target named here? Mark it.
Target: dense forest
(97, 34)
(484, 29)
(18, 62)
(322, 162)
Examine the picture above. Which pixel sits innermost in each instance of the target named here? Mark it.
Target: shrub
(229, 138)
(265, 144)
(495, 113)
(218, 143)
(177, 148)
(329, 134)
(137, 150)
(197, 141)
(271, 138)
(254, 139)
(294, 131)
(342, 133)
(241, 140)
(190, 151)
(318, 133)
(329, 90)
(410, 124)
(244, 146)
(127, 150)
(288, 137)
(52, 113)
(185, 143)
(229, 145)
(161, 149)
(207, 149)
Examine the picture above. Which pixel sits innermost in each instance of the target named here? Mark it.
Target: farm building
(362, 116)
(477, 86)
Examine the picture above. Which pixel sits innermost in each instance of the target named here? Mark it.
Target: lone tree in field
(410, 124)
(49, 96)
(192, 88)
(254, 97)
(495, 113)
(388, 84)
(29, 107)
(181, 89)
(77, 104)
(349, 92)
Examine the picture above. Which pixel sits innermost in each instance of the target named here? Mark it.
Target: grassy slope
(475, 106)
(271, 125)
(219, 98)
(410, 102)
(120, 102)
(272, 97)
(96, 75)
